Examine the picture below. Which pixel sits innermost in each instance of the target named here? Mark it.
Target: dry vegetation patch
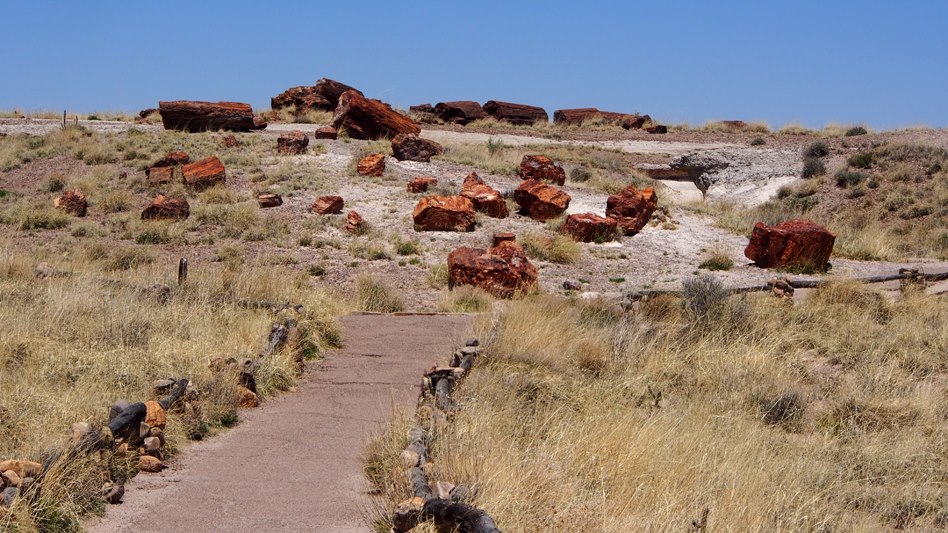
(824, 416)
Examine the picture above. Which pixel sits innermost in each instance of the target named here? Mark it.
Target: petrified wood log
(460, 112)
(194, 116)
(364, 118)
(516, 113)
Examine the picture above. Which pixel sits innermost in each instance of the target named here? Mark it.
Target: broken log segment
(195, 116)
(520, 114)
(364, 118)
(460, 112)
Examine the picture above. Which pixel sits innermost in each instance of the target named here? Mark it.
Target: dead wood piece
(177, 390)
(459, 517)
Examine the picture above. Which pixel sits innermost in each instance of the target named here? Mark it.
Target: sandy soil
(294, 463)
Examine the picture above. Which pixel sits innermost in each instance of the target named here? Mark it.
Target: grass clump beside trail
(825, 416)
(374, 296)
(888, 203)
(75, 344)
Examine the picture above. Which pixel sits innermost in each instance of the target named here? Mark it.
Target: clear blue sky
(880, 63)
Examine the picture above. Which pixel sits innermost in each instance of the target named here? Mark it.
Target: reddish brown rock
(542, 168)
(326, 132)
(540, 201)
(635, 122)
(292, 143)
(410, 147)
(161, 176)
(328, 205)
(204, 173)
(195, 116)
(461, 112)
(657, 129)
(155, 415)
(372, 165)
(631, 208)
(230, 141)
(516, 113)
(247, 399)
(444, 213)
(501, 271)
(421, 184)
(576, 117)
(147, 463)
(424, 113)
(364, 118)
(587, 227)
(794, 243)
(172, 159)
(72, 202)
(266, 200)
(485, 198)
(302, 99)
(333, 90)
(259, 123)
(355, 224)
(164, 208)
(501, 237)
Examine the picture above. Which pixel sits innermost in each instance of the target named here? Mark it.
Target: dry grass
(555, 249)
(74, 345)
(374, 296)
(466, 299)
(826, 416)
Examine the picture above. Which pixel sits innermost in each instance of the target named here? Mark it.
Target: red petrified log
(501, 270)
(792, 243)
(204, 173)
(542, 168)
(485, 198)
(370, 119)
(196, 116)
(328, 205)
(541, 201)
(164, 208)
(516, 113)
(588, 227)
(631, 208)
(444, 213)
(460, 112)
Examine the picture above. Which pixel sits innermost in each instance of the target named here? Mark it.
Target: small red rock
(485, 198)
(421, 184)
(171, 159)
(540, 201)
(328, 205)
(161, 175)
(230, 141)
(72, 202)
(542, 168)
(444, 213)
(502, 237)
(588, 227)
(204, 173)
(372, 165)
(501, 271)
(164, 208)
(269, 200)
(355, 223)
(292, 143)
(326, 132)
(410, 147)
(631, 208)
(791, 243)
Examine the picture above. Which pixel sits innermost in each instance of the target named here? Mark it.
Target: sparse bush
(758, 141)
(466, 299)
(703, 295)
(580, 174)
(370, 249)
(813, 167)
(816, 149)
(47, 218)
(717, 260)
(558, 249)
(438, 276)
(861, 160)
(855, 131)
(316, 270)
(116, 201)
(849, 178)
(373, 295)
(56, 184)
(129, 258)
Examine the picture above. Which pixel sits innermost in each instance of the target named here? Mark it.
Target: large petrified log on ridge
(194, 116)
(516, 113)
(460, 112)
(364, 118)
(324, 96)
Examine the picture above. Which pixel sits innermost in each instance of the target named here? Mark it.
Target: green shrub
(855, 131)
(717, 261)
(580, 174)
(703, 294)
(813, 167)
(862, 160)
(817, 149)
(848, 178)
(758, 141)
(56, 184)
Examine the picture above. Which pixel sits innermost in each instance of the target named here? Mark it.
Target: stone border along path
(294, 463)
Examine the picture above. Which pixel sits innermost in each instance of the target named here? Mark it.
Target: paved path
(294, 463)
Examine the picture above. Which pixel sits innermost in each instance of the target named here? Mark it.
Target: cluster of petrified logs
(448, 505)
(195, 116)
(135, 432)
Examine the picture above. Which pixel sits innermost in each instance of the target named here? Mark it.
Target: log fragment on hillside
(521, 114)
(364, 118)
(195, 116)
(459, 112)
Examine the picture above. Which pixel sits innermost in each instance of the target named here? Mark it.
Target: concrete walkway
(294, 463)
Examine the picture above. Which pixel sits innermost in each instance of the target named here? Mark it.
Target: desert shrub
(717, 260)
(47, 218)
(783, 409)
(856, 131)
(849, 178)
(128, 258)
(580, 174)
(466, 299)
(373, 295)
(813, 167)
(758, 141)
(316, 270)
(703, 294)
(116, 201)
(438, 275)
(369, 249)
(56, 184)
(860, 160)
(558, 249)
(816, 149)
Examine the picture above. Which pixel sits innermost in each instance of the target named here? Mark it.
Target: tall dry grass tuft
(828, 415)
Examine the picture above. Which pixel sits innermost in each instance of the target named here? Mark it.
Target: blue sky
(880, 63)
